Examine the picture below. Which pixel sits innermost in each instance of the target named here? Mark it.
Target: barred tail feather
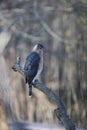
(30, 90)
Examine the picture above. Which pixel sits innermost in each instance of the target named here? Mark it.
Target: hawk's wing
(31, 66)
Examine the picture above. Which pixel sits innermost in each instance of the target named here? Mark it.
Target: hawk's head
(38, 48)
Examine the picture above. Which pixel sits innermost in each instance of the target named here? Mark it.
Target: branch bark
(60, 111)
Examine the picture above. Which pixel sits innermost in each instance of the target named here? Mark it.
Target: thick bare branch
(60, 111)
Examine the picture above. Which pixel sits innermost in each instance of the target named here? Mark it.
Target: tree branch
(60, 111)
(26, 35)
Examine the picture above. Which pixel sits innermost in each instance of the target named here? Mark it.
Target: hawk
(34, 65)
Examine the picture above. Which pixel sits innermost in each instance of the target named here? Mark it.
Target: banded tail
(30, 90)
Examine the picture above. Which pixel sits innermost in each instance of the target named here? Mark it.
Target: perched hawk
(34, 65)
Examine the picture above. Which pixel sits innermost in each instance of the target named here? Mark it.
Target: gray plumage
(31, 68)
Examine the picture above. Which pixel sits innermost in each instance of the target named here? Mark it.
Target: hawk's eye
(40, 46)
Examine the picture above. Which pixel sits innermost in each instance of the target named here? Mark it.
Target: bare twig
(26, 35)
(10, 27)
(44, 24)
(16, 67)
(60, 111)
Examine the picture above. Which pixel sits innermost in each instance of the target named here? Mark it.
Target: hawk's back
(31, 66)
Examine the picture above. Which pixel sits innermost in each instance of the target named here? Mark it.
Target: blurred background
(61, 26)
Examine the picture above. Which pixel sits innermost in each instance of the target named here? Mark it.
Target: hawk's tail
(30, 90)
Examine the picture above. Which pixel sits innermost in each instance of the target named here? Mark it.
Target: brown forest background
(61, 26)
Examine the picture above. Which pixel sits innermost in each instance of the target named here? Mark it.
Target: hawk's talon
(14, 68)
(35, 81)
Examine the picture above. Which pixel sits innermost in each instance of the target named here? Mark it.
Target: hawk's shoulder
(32, 60)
